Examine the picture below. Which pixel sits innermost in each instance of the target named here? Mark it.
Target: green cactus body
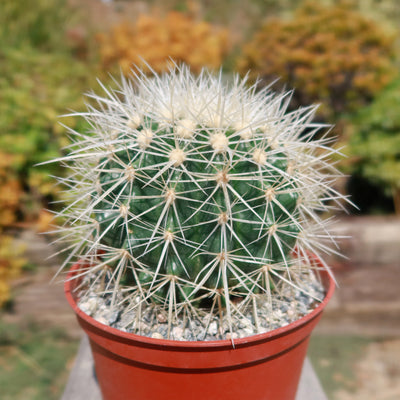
(177, 211)
(188, 189)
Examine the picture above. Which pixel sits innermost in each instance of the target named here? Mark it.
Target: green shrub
(39, 78)
(374, 143)
(33, 92)
(33, 23)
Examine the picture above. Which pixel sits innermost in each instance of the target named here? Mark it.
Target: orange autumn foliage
(157, 40)
(11, 264)
(11, 191)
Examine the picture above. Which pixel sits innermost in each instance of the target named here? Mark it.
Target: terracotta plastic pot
(265, 366)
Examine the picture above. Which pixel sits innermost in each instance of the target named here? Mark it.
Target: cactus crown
(189, 192)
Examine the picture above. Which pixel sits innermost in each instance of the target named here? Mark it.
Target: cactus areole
(197, 192)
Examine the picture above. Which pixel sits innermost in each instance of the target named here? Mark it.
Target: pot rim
(326, 276)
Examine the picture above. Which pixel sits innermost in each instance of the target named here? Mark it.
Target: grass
(34, 362)
(333, 358)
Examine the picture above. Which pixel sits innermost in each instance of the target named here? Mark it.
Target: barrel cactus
(196, 192)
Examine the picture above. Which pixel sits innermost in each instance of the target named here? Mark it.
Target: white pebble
(177, 333)
(102, 320)
(232, 335)
(213, 328)
(157, 335)
(247, 332)
(161, 318)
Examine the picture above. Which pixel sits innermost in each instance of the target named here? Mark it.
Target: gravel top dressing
(289, 304)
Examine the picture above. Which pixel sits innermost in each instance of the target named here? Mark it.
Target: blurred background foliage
(331, 55)
(342, 54)
(41, 76)
(372, 143)
(43, 72)
(158, 39)
(11, 265)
